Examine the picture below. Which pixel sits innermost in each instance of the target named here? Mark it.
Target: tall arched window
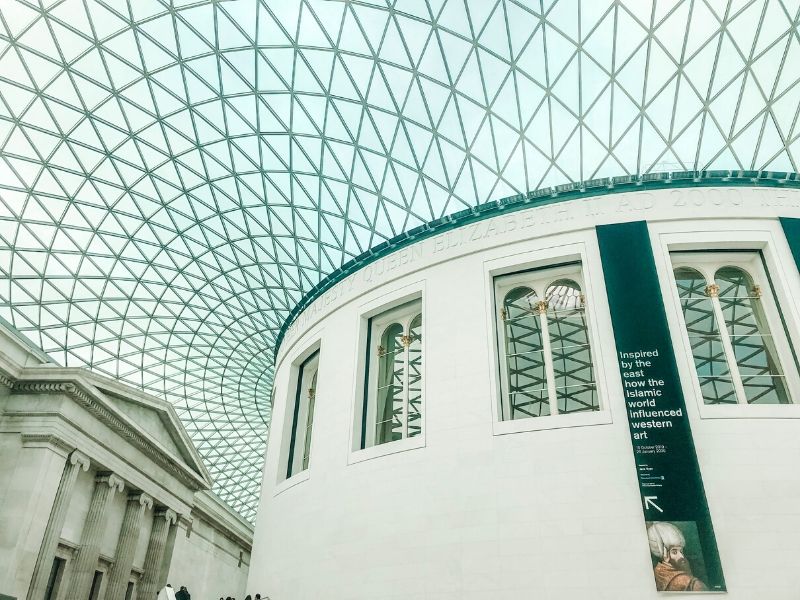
(547, 359)
(710, 360)
(414, 421)
(312, 397)
(393, 402)
(303, 416)
(526, 389)
(391, 385)
(573, 373)
(734, 347)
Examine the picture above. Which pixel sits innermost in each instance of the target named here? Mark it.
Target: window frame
(300, 414)
(375, 305)
(538, 280)
(708, 263)
(311, 346)
(56, 578)
(404, 315)
(578, 248)
(98, 584)
(721, 236)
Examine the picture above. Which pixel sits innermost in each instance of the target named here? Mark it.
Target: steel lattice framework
(175, 175)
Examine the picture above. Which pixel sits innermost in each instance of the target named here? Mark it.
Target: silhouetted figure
(183, 594)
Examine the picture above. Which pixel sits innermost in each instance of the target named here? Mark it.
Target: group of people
(183, 594)
(167, 593)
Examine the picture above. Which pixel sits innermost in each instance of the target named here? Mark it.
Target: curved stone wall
(549, 506)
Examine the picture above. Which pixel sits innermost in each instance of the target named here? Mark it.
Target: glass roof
(175, 175)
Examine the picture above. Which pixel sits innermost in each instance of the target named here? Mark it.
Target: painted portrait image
(678, 564)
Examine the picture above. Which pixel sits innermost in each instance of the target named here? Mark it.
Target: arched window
(312, 396)
(527, 394)
(303, 416)
(391, 385)
(710, 361)
(735, 353)
(573, 373)
(393, 403)
(548, 368)
(415, 377)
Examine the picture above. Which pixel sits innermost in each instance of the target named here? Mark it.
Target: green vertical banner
(678, 523)
(791, 228)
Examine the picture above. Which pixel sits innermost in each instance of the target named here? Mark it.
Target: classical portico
(94, 479)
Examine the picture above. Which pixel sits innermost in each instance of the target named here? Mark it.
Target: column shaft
(52, 533)
(126, 546)
(85, 563)
(148, 585)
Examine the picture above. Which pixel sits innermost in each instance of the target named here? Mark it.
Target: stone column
(126, 546)
(85, 562)
(47, 551)
(148, 585)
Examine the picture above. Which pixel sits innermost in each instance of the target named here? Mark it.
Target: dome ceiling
(175, 175)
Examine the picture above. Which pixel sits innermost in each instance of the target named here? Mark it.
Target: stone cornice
(49, 440)
(5, 380)
(99, 409)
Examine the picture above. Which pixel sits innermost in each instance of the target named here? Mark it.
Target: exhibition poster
(678, 524)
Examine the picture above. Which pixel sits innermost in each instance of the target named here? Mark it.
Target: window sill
(414, 443)
(597, 417)
(750, 411)
(291, 482)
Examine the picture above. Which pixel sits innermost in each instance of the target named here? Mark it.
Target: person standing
(166, 593)
(183, 594)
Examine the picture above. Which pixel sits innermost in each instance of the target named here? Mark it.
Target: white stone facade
(546, 507)
(102, 494)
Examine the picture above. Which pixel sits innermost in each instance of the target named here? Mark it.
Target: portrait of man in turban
(672, 570)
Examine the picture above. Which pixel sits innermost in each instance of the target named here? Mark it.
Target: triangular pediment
(151, 420)
(144, 420)
(154, 417)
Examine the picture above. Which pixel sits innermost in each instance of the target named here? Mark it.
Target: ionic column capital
(169, 515)
(79, 458)
(143, 499)
(114, 482)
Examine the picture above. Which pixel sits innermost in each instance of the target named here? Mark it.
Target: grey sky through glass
(174, 175)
